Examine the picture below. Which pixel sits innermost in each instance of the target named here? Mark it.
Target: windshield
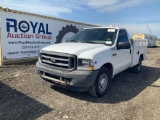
(96, 35)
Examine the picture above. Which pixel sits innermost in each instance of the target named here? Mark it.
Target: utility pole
(149, 29)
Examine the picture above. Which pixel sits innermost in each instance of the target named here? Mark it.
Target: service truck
(90, 59)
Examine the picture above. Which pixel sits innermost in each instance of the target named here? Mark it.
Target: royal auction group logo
(24, 29)
(23, 26)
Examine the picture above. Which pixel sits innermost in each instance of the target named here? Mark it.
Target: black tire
(64, 31)
(137, 68)
(101, 84)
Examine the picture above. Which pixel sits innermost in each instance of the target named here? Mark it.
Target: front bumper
(76, 80)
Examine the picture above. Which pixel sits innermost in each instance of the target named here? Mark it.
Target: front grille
(59, 60)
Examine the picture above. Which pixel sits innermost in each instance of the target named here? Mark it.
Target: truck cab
(90, 59)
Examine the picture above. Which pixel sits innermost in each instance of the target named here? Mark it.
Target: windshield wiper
(90, 42)
(94, 42)
(72, 41)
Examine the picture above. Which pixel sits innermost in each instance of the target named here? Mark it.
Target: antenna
(149, 29)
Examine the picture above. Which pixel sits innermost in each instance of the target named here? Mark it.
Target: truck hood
(81, 50)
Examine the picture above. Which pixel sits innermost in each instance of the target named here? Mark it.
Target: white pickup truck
(90, 59)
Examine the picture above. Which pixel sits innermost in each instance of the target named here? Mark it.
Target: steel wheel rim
(103, 81)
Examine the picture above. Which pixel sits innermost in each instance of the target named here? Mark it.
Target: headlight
(85, 64)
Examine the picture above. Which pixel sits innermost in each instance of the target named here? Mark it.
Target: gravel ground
(23, 95)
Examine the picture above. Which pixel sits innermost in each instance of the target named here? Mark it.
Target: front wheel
(101, 84)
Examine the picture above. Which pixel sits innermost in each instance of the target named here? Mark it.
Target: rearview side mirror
(123, 45)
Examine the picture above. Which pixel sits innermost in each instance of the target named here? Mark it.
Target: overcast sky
(134, 15)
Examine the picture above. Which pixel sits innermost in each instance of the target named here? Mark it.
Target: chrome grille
(59, 60)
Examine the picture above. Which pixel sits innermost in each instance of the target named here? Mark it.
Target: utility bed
(139, 47)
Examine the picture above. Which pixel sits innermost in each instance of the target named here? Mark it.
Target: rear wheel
(137, 68)
(101, 84)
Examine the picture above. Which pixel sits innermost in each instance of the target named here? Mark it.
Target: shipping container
(23, 34)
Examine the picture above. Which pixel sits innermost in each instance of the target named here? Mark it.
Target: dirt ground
(23, 95)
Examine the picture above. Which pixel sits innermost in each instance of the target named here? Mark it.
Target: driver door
(122, 57)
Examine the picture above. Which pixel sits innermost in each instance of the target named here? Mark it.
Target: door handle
(130, 51)
(114, 54)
